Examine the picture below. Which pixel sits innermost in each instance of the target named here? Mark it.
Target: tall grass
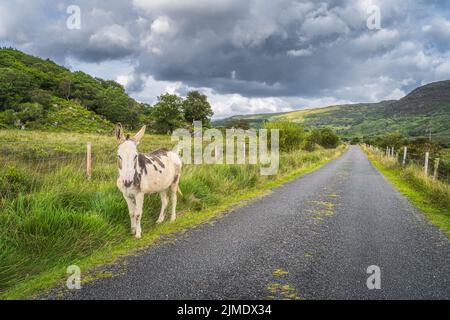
(50, 215)
(436, 190)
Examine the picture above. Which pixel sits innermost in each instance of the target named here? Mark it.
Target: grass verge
(431, 197)
(51, 217)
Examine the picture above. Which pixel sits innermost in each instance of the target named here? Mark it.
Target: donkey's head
(127, 154)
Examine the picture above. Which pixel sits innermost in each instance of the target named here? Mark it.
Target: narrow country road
(312, 238)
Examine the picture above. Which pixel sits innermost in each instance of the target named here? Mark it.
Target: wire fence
(80, 158)
(94, 158)
(433, 165)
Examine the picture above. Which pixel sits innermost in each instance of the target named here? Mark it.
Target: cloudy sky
(247, 56)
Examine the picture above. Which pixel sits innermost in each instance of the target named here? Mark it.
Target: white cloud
(376, 40)
(395, 94)
(324, 25)
(443, 70)
(114, 35)
(162, 26)
(186, 6)
(438, 30)
(299, 52)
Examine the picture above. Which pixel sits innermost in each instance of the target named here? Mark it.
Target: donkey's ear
(119, 133)
(137, 138)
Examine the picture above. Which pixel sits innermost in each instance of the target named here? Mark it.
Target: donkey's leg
(131, 202)
(164, 202)
(138, 213)
(174, 190)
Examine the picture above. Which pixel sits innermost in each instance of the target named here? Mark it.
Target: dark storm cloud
(254, 48)
(39, 27)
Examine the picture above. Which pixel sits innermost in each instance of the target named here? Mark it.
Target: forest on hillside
(39, 94)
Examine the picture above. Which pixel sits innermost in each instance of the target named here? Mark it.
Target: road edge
(433, 213)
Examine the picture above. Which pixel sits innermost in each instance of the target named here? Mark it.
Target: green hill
(425, 107)
(39, 94)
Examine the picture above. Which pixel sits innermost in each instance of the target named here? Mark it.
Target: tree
(312, 139)
(15, 87)
(328, 138)
(42, 97)
(355, 140)
(197, 108)
(392, 139)
(30, 111)
(65, 87)
(116, 106)
(167, 114)
(85, 88)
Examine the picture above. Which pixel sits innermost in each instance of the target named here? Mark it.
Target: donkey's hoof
(138, 235)
(173, 219)
(159, 221)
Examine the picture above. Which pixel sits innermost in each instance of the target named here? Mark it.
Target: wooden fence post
(89, 161)
(404, 155)
(427, 155)
(436, 165)
(392, 152)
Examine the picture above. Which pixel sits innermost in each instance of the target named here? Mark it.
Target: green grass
(51, 217)
(431, 197)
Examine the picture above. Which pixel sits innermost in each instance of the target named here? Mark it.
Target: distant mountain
(425, 107)
(39, 94)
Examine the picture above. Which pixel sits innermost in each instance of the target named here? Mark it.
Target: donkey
(140, 174)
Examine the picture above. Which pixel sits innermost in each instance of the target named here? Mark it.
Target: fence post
(89, 161)
(404, 155)
(387, 151)
(392, 152)
(436, 165)
(427, 155)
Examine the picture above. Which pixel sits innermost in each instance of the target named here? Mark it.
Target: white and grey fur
(140, 174)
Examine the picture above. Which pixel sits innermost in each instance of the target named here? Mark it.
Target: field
(52, 217)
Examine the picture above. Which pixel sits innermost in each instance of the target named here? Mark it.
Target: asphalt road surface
(313, 238)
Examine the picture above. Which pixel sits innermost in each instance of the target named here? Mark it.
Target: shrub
(312, 140)
(328, 138)
(325, 137)
(14, 181)
(292, 136)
